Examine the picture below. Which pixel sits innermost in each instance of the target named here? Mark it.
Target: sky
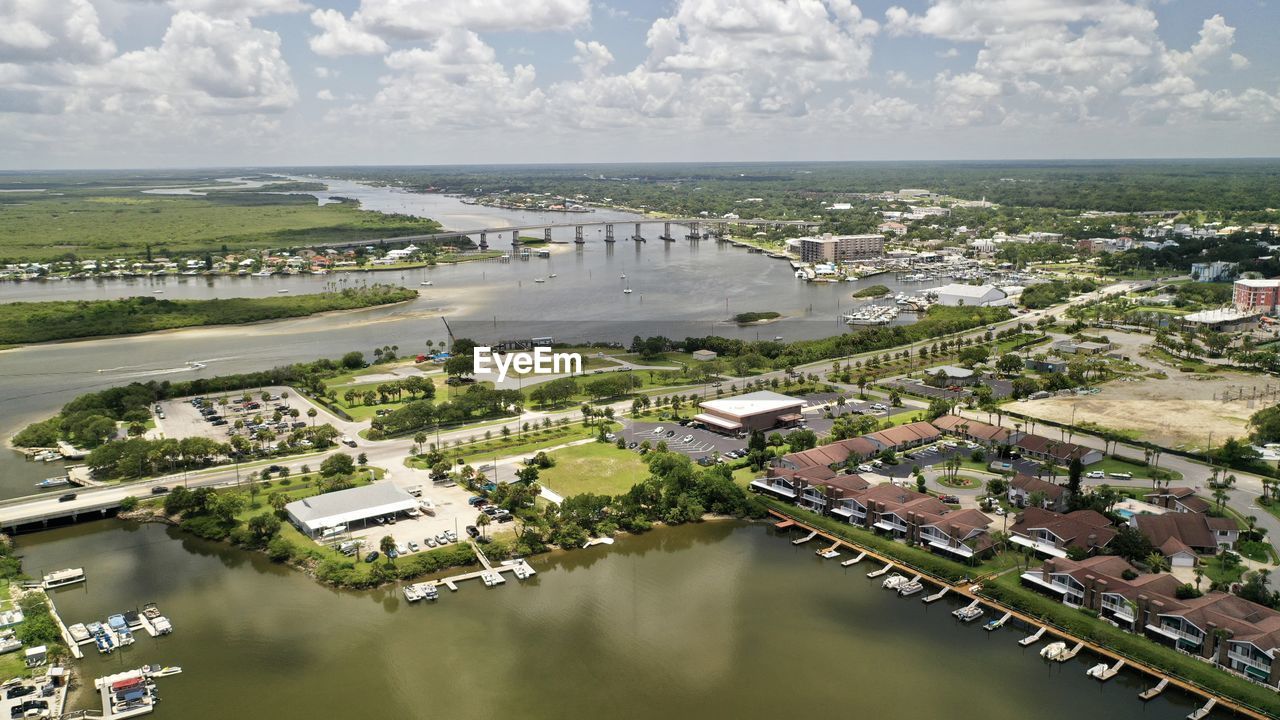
(182, 83)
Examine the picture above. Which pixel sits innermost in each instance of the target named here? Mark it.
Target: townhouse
(1183, 537)
(1055, 451)
(1053, 534)
(1022, 487)
(1180, 499)
(975, 431)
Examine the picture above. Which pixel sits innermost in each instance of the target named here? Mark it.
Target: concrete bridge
(698, 229)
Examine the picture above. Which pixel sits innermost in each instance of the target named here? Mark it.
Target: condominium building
(840, 248)
(1257, 295)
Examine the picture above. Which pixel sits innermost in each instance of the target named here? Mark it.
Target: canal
(712, 620)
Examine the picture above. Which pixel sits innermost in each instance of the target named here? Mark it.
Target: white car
(1095, 474)
(686, 439)
(658, 430)
(998, 511)
(865, 468)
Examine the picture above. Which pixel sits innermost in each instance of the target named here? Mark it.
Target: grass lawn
(1140, 472)
(961, 481)
(359, 411)
(1214, 571)
(596, 468)
(483, 451)
(666, 359)
(1256, 551)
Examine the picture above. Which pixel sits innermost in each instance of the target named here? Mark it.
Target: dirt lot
(1177, 412)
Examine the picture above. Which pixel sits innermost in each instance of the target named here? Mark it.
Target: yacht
(1053, 650)
(426, 283)
(539, 280)
(969, 613)
(60, 578)
(54, 482)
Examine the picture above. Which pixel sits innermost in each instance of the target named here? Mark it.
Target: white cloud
(592, 57)
(325, 95)
(240, 8)
(65, 31)
(321, 71)
(1238, 61)
(341, 36)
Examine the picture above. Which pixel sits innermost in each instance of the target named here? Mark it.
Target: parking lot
(183, 419)
(999, 388)
(700, 443)
(32, 699)
(449, 511)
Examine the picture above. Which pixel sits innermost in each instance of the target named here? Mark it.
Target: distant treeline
(24, 322)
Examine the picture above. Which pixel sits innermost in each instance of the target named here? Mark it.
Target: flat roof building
(315, 514)
(969, 295)
(839, 248)
(1256, 295)
(753, 411)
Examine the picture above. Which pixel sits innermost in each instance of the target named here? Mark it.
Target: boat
(553, 275)
(539, 280)
(522, 571)
(828, 554)
(992, 625)
(626, 290)
(59, 578)
(492, 578)
(969, 613)
(623, 276)
(430, 591)
(157, 292)
(908, 589)
(118, 626)
(54, 482)
(426, 283)
(1097, 670)
(167, 671)
(79, 633)
(412, 593)
(1053, 650)
(893, 582)
(282, 291)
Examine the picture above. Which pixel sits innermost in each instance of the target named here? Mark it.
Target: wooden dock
(805, 539)
(1201, 712)
(853, 560)
(1111, 671)
(784, 524)
(1032, 639)
(881, 571)
(1068, 654)
(938, 595)
(997, 624)
(1151, 692)
(70, 642)
(834, 547)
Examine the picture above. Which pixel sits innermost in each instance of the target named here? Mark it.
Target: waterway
(713, 620)
(679, 289)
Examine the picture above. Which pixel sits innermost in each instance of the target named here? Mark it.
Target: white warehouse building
(318, 513)
(969, 295)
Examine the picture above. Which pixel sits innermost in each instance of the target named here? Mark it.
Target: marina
(117, 630)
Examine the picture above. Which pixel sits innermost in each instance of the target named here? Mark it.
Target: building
(1046, 365)
(1061, 453)
(949, 375)
(905, 437)
(1182, 536)
(318, 514)
(1257, 295)
(1022, 487)
(1180, 499)
(753, 411)
(975, 431)
(968, 295)
(836, 453)
(1217, 271)
(1221, 319)
(840, 248)
(704, 355)
(1052, 533)
(1084, 347)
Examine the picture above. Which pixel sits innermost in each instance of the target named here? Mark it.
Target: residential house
(1180, 537)
(1051, 533)
(1106, 584)
(1022, 487)
(1046, 365)
(905, 437)
(975, 431)
(1181, 499)
(836, 453)
(1233, 633)
(1059, 452)
(960, 532)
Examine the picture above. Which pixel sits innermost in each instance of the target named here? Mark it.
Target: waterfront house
(1022, 487)
(1181, 536)
(975, 431)
(1229, 631)
(1051, 533)
(960, 532)
(1058, 452)
(1105, 584)
(1180, 499)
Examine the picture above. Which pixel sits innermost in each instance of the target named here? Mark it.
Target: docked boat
(829, 554)
(492, 578)
(873, 315)
(60, 578)
(1053, 650)
(117, 625)
(1097, 670)
(426, 283)
(893, 582)
(429, 591)
(908, 589)
(159, 623)
(412, 593)
(54, 482)
(79, 633)
(969, 613)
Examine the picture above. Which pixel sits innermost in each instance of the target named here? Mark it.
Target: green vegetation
(595, 468)
(752, 317)
(32, 322)
(104, 221)
(505, 444)
(1055, 291)
(872, 292)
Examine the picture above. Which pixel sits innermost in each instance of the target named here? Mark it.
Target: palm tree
(1199, 573)
(311, 413)
(1155, 561)
(482, 522)
(387, 545)
(1220, 496)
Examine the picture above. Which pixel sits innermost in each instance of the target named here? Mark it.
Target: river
(679, 289)
(712, 620)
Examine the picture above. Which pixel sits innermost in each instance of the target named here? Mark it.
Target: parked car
(373, 555)
(1122, 475)
(659, 430)
(473, 531)
(1095, 474)
(18, 691)
(687, 438)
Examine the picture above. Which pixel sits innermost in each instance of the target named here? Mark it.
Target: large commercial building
(1257, 295)
(314, 515)
(968, 295)
(754, 411)
(840, 248)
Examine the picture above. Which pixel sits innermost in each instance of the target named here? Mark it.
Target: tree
(1155, 561)
(337, 464)
(482, 522)
(388, 547)
(311, 413)
(1009, 364)
(1074, 474)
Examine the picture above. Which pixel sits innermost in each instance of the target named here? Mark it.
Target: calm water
(679, 289)
(716, 620)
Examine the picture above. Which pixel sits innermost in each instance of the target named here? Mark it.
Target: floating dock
(1111, 672)
(881, 571)
(805, 539)
(1150, 693)
(938, 595)
(1201, 712)
(853, 560)
(1068, 654)
(1032, 639)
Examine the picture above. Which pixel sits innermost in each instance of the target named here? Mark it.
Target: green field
(359, 411)
(23, 322)
(599, 468)
(115, 222)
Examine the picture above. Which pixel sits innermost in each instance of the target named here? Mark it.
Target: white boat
(282, 291)
(59, 578)
(908, 589)
(492, 578)
(893, 582)
(1097, 670)
(829, 554)
(1053, 650)
(426, 283)
(626, 291)
(969, 613)
(412, 593)
(539, 280)
(623, 276)
(553, 275)
(53, 482)
(157, 292)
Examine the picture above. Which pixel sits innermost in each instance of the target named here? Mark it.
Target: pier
(938, 595)
(70, 642)
(1067, 655)
(1111, 672)
(1032, 639)
(806, 538)
(1150, 693)
(1201, 712)
(881, 571)
(853, 560)
(491, 574)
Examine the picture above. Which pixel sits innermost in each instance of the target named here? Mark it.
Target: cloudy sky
(144, 83)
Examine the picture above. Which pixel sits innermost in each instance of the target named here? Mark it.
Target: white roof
(1259, 283)
(338, 508)
(753, 403)
(973, 291)
(951, 371)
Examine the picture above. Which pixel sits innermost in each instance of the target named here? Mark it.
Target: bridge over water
(698, 228)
